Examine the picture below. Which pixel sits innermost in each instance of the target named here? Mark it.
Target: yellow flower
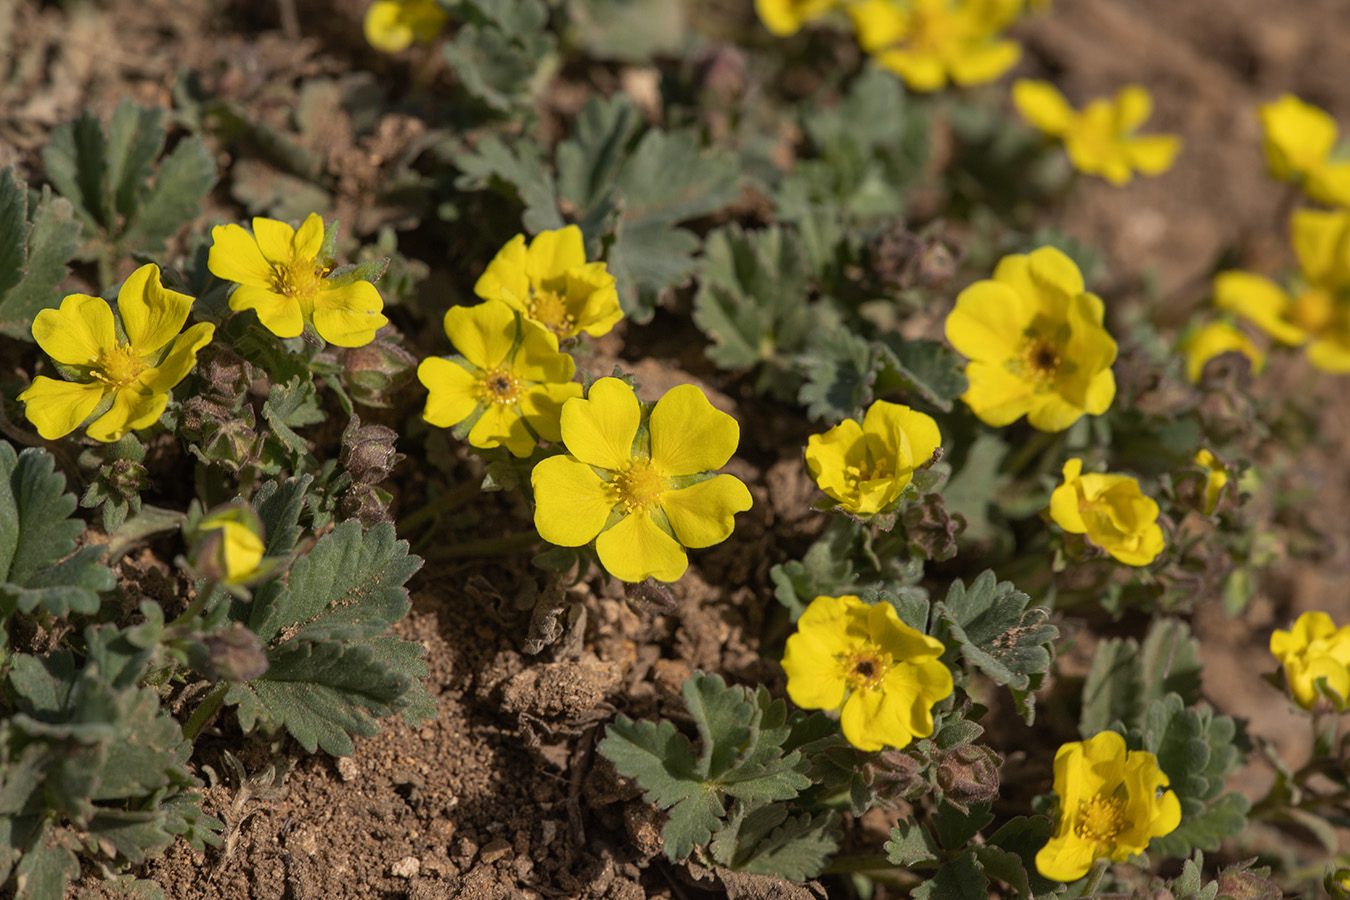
(1215, 339)
(551, 283)
(1111, 511)
(392, 25)
(1298, 140)
(1215, 478)
(865, 468)
(885, 674)
(1036, 343)
(641, 485)
(1100, 140)
(1315, 650)
(282, 276)
(120, 367)
(1110, 805)
(927, 42)
(785, 17)
(1319, 315)
(230, 545)
(509, 375)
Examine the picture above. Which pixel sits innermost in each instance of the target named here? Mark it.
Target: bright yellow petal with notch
(1041, 104)
(989, 321)
(274, 240)
(278, 313)
(235, 257)
(995, 395)
(501, 426)
(542, 408)
(152, 314)
(482, 334)
(572, 503)
(552, 253)
(180, 359)
(635, 549)
(56, 408)
(504, 278)
(77, 332)
(131, 409)
(599, 430)
(349, 315)
(981, 65)
(689, 435)
(453, 391)
(703, 514)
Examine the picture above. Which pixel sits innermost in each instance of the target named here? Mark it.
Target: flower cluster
(1112, 802)
(866, 467)
(1101, 139)
(1316, 659)
(1111, 510)
(882, 675)
(118, 367)
(1036, 343)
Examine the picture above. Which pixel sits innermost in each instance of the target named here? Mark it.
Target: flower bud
(234, 654)
(228, 544)
(898, 774)
(969, 774)
(368, 452)
(373, 372)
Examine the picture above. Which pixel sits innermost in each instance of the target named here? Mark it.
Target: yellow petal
(1066, 857)
(703, 514)
(600, 429)
(879, 23)
(552, 253)
(571, 502)
(538, 359)
(1041, 104)
(981, 65)
(909, 435)
(1052, 270)
(995, 395)
(635, 549)
(865, 728)
(1134, 104)
(542, 408)
(180, 359)
(274, 240)
(1064, 509)
(308, 238)
(1052, 412)
(1215, 339)
(593, 299)
(989, 321)
(235, 257)
(501, 425)
(504, 278)
(1330, 184)
(56, 408)
(1153, 154)
(1330, 355)
(77, 332)
(829, 455)
(349, 316)
(1298, 136)
(922, 72)
(384, 27)
(151, 313)
(1261, 301)
(1319, 239)
(482, 334)
(278, 313)
(131, 409)
(690, 436)
(454, 392)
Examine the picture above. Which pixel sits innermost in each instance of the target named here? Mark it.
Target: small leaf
(519, 165)
(927, 368)
(289, 406)
(184, 178)
(798, 850)
(910, 845)
(135, 139)
(33, 253)
(841, 370)
(45, 868)
(960, 878)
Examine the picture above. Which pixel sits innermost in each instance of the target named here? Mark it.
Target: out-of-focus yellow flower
(785, 17)
(393, 25)
(1315, 649)
(865, 468)
(1036, 343)
(1111, 804)
(1215, 339)
(509, 374)
(1215, 478)
(928, 42)
(230, 545)
(641, 485)
(1298, 141)
(282, 276)
(1319, 314)
(1111, 510)
(1101, 139)
(120, 366)
(551, 283)
(884, 674)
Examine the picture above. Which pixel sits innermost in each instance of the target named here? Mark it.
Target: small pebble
(407, 867)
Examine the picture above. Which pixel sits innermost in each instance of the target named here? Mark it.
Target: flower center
(865, 669)
(870, 470)
(1039, 359)
(1313, 310)
(499, 386)
(118, 366)
(1101, 819)
(638, 487)
(550, 309)
(298, 278)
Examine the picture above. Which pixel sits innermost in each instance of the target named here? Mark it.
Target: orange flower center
(1101, 819)
(866, 669)
(298, 278)
(869, 470)
(550, 309)
(638, 486)
(1313, 310)
(118, 366)
(499, 386)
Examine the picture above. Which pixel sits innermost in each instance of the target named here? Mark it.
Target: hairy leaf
(797, 849)
(959, 879)
(928, 368)
(520, 166)
(34, 251)
(1125, 678)
(841, 369)
(910, 844)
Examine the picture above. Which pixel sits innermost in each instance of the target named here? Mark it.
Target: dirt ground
(503, 795)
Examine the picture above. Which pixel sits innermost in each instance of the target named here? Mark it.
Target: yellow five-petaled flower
(1101, 139)
(1036, 343)
(119, 367)
(551, 282)
(927, 42)
(392, 25)
(884, 674)
(641, 485)
(508, 373)
(1112, 802)
(1315, 650)
(1111, 510)
(283, 277)
(865, 468)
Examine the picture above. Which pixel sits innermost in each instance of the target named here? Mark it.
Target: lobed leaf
(34, 252)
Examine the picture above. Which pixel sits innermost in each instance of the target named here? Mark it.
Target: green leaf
(841, 369)
(291, 405)
(960, 878)
(752, 304)
(279, 504)
(955, 828)
(910, 845)
(798, 849)
(930, 369)
(993, 629)
(45, 868)
(519, 165)
(976, 486)
(185, 177)
(1021, 838)
(498, 57)
(76, 163)
(33, 253)
(1125, 678)
(37, 538)
(631, 31)
(135, 139)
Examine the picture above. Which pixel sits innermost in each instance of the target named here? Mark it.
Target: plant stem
(1032, 449)
(1095, 878)
(498, 546)
(194, 609)
(447, 502)
(205, 712)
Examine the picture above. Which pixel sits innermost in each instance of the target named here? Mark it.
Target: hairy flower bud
(235, 654)
(374, 372)
(969, 774)
(226, 374)
(898, 775)
(368, 452)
